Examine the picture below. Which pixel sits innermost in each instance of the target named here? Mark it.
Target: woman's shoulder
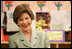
(14, 36)
(41, 35)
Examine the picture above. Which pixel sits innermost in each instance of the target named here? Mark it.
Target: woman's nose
(24, 21)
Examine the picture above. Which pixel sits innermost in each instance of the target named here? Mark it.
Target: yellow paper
(25, 2)
(34, 5)
(18, 3)
(39, 28)
(50, 5)
(55, 35)
(66, 5)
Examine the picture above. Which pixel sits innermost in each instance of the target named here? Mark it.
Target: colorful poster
(2, 17)
(11, 26)
(60, 20)
(43, 21)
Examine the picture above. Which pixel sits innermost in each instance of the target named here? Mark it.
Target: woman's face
(24, 22)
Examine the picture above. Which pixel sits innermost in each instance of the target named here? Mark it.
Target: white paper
(59, 19)
(11, 26)
(2, 17)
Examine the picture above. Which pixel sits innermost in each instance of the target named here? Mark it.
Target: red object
(70, 34)
(2, 35)
(8, 2)
(41, 2)
(6, 38)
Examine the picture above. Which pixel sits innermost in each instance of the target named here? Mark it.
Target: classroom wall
(60, 18)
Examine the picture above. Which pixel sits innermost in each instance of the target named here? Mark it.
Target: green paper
(41, 5)
(58, 5)
(8, 6)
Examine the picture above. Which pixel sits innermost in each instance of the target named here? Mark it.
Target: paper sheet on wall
(56, 35)
(11, 26)
(2, 17)
(60, 20)
(67, 20)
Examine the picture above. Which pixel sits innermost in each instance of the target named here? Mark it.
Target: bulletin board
(60, 12)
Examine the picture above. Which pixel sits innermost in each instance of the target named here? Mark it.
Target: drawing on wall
(41, 4)
(58, 5)
(11, 26)
(25, 2)
(10, 15)
(2, 17)
(60, 20)
(52, 5)
(8, 4)
(43, 21)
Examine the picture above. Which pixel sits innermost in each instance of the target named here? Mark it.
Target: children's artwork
(11, 26)
(56, 35)
(8, 4)
(58, 5)
(2, 17)
(2, 35)
(60, 20)
(41, 4)
(43, 21)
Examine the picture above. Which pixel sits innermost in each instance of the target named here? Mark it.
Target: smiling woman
(24, 22)
(27, 37)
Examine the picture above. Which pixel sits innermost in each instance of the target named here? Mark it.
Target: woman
(27, 37)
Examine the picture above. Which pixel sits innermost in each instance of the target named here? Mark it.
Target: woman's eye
(26, 18)
(20, 19)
